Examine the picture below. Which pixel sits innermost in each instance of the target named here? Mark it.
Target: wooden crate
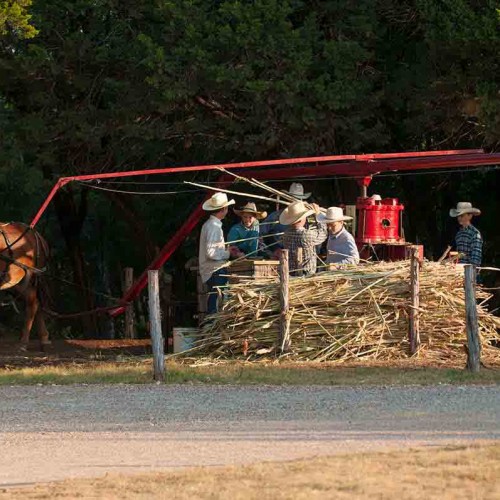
(252, 269)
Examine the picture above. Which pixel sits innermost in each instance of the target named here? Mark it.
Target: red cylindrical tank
(379, 221)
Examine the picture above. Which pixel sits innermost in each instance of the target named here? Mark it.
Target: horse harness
(9, 259)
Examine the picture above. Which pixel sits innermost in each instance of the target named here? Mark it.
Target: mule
(23, 257)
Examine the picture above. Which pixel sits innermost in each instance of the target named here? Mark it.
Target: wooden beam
(157, 342)
(473, 344)
(414, 333)
(284, 276)
(128, 281)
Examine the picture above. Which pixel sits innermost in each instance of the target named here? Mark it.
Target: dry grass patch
(420, 474)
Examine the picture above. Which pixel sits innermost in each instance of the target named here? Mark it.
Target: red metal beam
(373, 167)
(416, 154)
(466, 160)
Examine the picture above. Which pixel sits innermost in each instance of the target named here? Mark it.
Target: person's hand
(277, 254)
(316, 208)
(235, 252)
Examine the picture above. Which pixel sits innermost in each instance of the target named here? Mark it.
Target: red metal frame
(359, 166)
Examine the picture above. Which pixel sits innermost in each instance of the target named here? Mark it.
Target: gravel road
(54, 432)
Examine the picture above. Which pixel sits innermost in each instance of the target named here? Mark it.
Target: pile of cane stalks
(343, 315)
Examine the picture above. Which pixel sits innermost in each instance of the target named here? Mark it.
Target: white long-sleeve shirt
(213, 253)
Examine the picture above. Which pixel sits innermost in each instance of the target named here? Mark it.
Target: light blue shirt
(342, 248)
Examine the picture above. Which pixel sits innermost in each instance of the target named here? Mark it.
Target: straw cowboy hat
(297, 191)
(333, 214)
(250, 208)
(464, 207)
(217, 202)
(294, 212)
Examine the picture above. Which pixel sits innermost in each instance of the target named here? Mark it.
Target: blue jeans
(214, 281)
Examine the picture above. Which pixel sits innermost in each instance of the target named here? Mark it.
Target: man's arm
(216, 249)
(476, 251)
(317, 235)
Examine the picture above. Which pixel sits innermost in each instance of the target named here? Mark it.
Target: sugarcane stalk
(237, 193)
(253, 238)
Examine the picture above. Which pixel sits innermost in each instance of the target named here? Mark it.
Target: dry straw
(349, 314)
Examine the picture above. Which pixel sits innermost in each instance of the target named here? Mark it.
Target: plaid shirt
(469, 242)
(305, 239)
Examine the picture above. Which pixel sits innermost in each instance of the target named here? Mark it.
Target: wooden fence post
(414, 333)
(129, 311)
(474, 346)
(155, 326)
(284, 276)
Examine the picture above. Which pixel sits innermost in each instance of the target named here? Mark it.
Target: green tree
(15, 19)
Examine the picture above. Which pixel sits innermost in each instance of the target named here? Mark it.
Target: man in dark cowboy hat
(247, 229)
(468, 240)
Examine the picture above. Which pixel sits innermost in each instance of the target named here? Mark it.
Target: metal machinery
(379, 229)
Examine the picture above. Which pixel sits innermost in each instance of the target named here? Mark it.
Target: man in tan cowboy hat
(213, 254)
(468, 240)
(247, 229)
(341, 246)
(301, 241)
(271, 224)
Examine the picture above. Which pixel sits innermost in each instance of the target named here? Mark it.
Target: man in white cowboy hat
(271, 224)
(213, 254)
(247, 229)
(301, 241)
(468, 240)
(341, 246)
(297, 191)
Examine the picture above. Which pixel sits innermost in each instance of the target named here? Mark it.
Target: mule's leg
(43, 333)
(31, 310)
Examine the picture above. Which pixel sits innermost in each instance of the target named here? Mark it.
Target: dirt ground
(62, 352)
(418, 474)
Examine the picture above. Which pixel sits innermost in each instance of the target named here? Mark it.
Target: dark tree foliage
(110, 85)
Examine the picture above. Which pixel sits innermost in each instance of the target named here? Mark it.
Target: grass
(243, 373)
(418, 474)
